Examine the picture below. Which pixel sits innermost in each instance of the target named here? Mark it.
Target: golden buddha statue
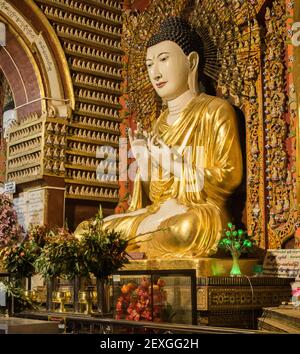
(181, 214)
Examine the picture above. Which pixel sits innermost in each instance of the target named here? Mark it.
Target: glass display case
(167, 296)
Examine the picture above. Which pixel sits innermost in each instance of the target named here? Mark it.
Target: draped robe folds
(207, 122)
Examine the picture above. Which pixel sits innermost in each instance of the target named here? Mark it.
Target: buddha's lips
(160, 84)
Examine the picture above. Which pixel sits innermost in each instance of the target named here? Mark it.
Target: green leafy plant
(104, 251)
(21, 301)
(61, 256)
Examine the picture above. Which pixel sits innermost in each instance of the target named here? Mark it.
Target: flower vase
(102, 297)
(235, 269)
(76, 289)
(51, 286)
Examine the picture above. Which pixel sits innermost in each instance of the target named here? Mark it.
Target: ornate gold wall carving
(235, 33)
(90, 34)
(296, 103)
(279, 123)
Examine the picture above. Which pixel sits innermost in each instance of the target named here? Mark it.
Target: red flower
(135, 302)
(161, 283)
(145, 283)
(119, 305)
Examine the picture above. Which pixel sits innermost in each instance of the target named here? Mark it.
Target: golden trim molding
(61, 57)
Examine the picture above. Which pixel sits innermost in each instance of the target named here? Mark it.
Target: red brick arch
(21, 75)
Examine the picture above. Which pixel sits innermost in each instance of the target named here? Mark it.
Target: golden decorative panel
(36, 148)
(296, 103)
(225, 293)
(232, 36)
(279, 128)
(90, 34)
(25, 149)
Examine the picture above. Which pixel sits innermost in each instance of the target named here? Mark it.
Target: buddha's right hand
(141, 154)
(139, 147)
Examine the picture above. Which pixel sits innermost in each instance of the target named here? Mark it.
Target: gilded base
(204, 266)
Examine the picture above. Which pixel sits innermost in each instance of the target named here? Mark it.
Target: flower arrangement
(19, 259)
(236, 242)
(135, 302)
(39, 233)
(60, 255)
(104, 250)
(10, 230)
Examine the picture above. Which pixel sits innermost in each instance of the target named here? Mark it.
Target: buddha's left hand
(162, 155)
(170, 159)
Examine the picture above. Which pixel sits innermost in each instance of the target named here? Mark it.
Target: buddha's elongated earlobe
(193, 58)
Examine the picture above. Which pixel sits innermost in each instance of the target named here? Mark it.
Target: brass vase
(59, 297)
(85, 300)
(77, 286)
(51, 286)
(102, 285)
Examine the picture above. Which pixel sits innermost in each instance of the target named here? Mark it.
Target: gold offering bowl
(32, 295)
(68, 296)
(85, 299)
(61, 297)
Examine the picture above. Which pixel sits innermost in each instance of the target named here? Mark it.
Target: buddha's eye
(164, 58)
(149, 65)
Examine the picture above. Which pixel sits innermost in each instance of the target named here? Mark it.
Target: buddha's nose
(157, 76)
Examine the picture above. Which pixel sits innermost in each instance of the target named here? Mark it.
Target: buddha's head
(175, 59)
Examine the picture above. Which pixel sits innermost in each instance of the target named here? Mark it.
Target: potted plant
(104, 252)
(236, 242)
(61, 256)
(19, 258)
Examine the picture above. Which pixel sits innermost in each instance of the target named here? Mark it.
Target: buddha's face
(168, 69)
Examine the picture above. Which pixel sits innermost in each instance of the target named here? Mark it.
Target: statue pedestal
(205, 267)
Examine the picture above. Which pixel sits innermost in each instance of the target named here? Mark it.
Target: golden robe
(207, 122)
